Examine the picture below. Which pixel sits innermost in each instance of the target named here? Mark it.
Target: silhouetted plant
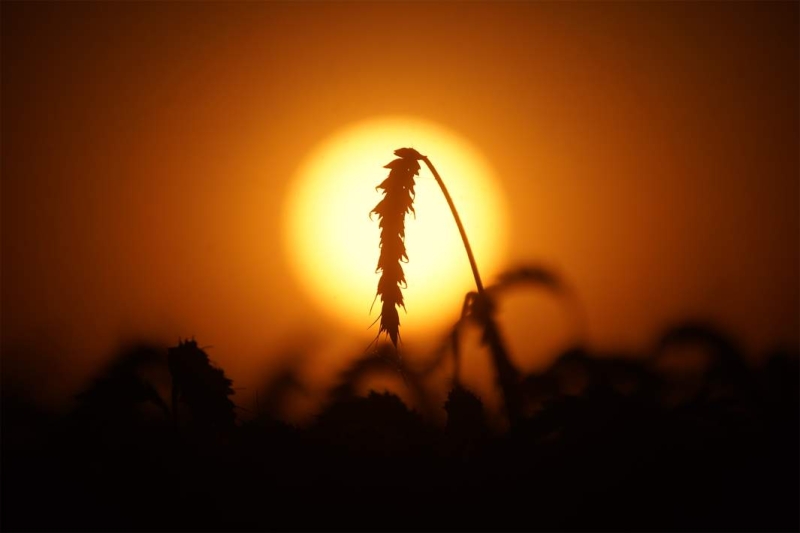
(398, 199)
(127, 384)
(466, 422)
(203, 387)
(589, 446)
(122, 387)
(378, 424)
(480, 307)
(384, 361)
(271, 397)
(725, 366)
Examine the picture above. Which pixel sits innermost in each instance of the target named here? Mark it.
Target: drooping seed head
(398, 200)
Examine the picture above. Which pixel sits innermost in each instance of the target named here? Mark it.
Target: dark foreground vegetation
(606, 443)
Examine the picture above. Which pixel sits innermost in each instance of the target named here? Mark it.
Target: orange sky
(648, 152)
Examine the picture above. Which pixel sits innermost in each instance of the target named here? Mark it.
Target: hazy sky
(648, 153)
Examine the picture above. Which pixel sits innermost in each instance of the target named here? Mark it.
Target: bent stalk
(461, 230)
(507, 374)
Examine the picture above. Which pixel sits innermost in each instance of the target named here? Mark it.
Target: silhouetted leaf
(527, 275)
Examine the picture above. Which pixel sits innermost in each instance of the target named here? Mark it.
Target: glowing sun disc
(333, 245)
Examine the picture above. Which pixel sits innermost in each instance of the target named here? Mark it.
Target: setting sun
(333, 243)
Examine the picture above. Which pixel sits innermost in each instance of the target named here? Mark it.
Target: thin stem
(461, 230)
(507, 374)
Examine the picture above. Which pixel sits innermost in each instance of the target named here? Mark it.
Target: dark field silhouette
(260, 173)
(605, 443)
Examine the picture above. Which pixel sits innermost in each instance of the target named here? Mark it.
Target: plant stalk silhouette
(391, 210)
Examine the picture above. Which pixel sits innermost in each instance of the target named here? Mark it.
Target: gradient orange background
(648, 152)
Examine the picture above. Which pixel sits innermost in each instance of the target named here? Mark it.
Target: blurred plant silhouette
(131, 381)
(122, 388)
(466, 427)
(600, 432)
(478, 306)
(202, 387)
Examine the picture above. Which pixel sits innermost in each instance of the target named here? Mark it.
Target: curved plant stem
(461, 230)
(507, 374)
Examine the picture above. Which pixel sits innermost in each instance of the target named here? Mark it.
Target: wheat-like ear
(398, 199)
